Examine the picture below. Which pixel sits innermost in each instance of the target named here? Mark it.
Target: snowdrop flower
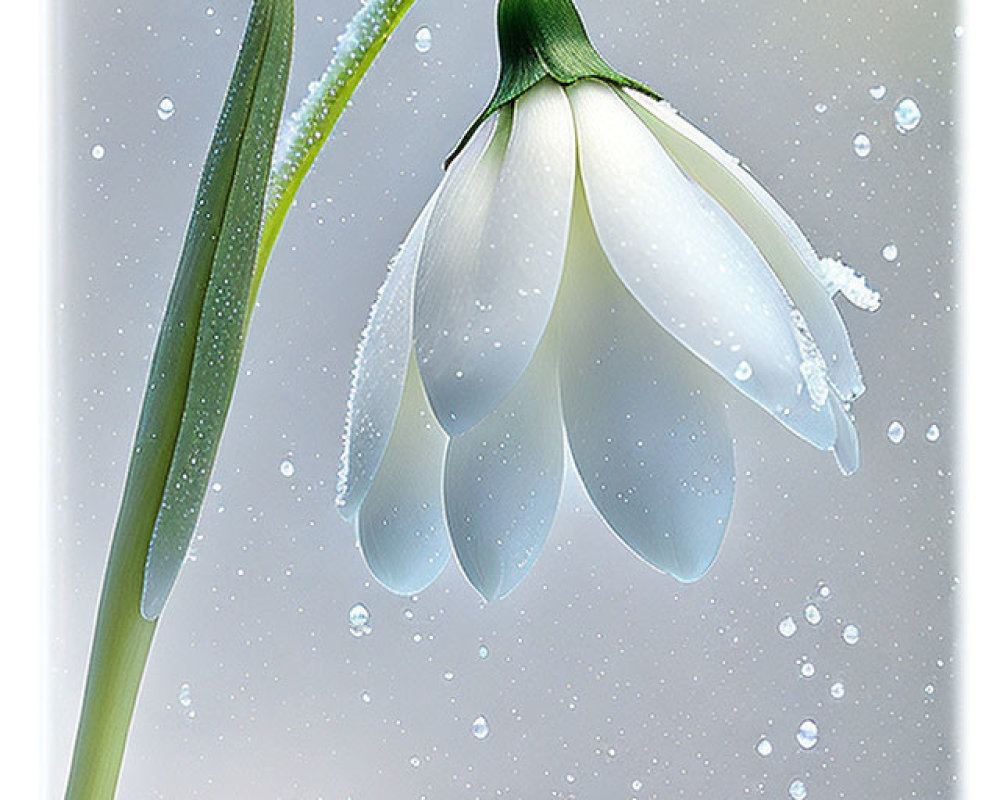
(593, 270)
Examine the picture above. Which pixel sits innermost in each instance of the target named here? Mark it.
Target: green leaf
(197, 356)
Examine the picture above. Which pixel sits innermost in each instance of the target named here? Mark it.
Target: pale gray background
(604, 679)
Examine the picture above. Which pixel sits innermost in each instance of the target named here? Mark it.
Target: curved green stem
(308, 128)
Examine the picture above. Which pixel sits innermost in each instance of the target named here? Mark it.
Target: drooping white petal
(494, 256)
(379, 372)
(645, 426)
(502, 482)
(689, 264)
(401, 525)
(846, 448)
(804, 275)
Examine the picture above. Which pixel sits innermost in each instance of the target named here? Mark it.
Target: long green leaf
(198, 358)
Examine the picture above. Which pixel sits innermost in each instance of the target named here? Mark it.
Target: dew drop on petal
(97, 152)
(812, 614)
(896, 432)
(907, 115)
(787, 627)
(808, 734)
(764, 747)
(797, 790)
(480, 727)
(932, 434)
(862, 145)
(877, 92)
(851, 634)
(890, 252)
(743, 371)
(165, 108)
(423, 39)
(837, 691)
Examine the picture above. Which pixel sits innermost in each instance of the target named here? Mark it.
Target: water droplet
(851, 634)
(907, 115)
(808, 669)
(423, 39)
(764, 747)
(820, 108)
(877, 92)
(415, 761)
(184, 695)
(480, 727)
(287, 468)
(837, 691)
(787, 627)
(808, 734)
(929, 689)
(896, 432)
(812, 614)
(823, 590)
(933, 433)
(165, 108)
(743, 371)
(359, 616)
(959, 31)
(636, 785)
(862, 145)
(449, 676)
(797, 790)
(890, 252)
(484, 652)
(366, 697)
(97, 152)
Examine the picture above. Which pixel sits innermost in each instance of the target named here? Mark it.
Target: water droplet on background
(484, 652)
(797, 790)
(366, 697)
(414, 761)
(359, 616)
(837, 691)
(97, 152)
(423, 39)
(932, 434)
(862, 145)
(907, 115)
(184, 695)
(821, 108)
(808, 734)
(165, 108)
(636, 785)
(764, 747)
(808, 670)
(287, 468)
(812, 614)
(877, 92)
(823, 590)
(851, 634)
(890, 252)
(787, 627)
(896, 432)
(480, 727)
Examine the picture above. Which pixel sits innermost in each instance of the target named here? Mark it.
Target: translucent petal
(646, 429)
(491, 269)
(846, 448)
(401, 523)
(502, 482)
(773, 231)
(379, 372)
(689, 264)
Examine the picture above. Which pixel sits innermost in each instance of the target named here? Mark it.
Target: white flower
(595, 270)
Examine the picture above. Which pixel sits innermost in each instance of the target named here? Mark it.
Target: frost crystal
(839, 277)
(813, 366)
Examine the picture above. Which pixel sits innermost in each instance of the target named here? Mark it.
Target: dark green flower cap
(544, 39)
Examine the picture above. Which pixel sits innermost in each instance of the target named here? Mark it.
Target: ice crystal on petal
(839, 277)
(813, 366)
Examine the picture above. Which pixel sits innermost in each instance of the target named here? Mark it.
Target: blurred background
(598, 677)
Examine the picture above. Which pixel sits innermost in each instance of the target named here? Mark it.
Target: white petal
(773, 231)
(491, 269)
(689, 264)
(846, 448)
(647, 432)
(379, 372)
(502, 482)
(401, 523)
